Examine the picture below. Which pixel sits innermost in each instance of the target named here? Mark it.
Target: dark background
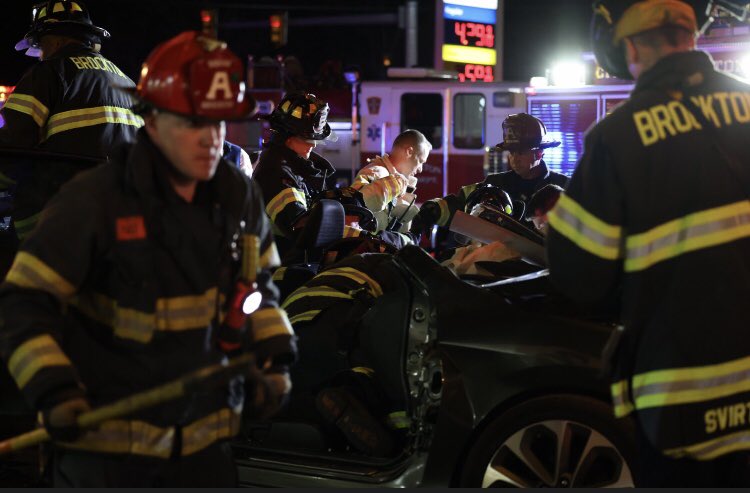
(537, 32)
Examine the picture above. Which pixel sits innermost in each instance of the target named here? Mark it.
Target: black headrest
(325, 224)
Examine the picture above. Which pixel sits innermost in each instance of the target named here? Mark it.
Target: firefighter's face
(302, 147)
(411, 162)
(194, 149)
(524, 162)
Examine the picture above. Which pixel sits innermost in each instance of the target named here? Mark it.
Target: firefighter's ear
(633, 56)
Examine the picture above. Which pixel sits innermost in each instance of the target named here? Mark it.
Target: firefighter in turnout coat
(124, 286)
(657, 215)
(525, 138)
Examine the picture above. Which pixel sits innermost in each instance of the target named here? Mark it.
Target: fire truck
(463, 120)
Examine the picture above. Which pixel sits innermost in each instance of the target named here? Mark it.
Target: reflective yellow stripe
(145, 439)
(30, 272)
(270, 257)
(26, 225)
(398, 420)
(69, 120)
(6, 181)
(584, 229)
(278, 274)
(445, 213)
(369, 372)
(304, 317)
(284, 198)
(360, 181)
(270, 322)
(355, 275)
(690, 233)
(689, 385)
(712, 449)
(468, 190)
(212, 428)
(351, 232)
(251, 257)
(28, 105)
(34, 355)
(179, 313)
(392, 188)
(322, 291)
(621, 398)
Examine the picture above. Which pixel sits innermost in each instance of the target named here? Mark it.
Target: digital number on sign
(474, 73)
(470, 34)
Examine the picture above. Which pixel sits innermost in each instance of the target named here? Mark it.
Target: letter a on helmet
(194, 76)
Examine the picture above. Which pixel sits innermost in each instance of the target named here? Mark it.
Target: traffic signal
(210, 22)
(278, 28)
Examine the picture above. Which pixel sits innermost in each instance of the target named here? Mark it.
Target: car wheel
(557, 441)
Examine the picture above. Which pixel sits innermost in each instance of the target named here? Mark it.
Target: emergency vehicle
(463, 120)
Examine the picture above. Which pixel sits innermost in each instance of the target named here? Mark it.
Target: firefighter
(346, 380)
(387, 183)
(525, 138)
(656, 216)
(70, 101)
(289, 172)
(123, 286)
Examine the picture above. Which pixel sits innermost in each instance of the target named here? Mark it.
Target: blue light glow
(566, 121)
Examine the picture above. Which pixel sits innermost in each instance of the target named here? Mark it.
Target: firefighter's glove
(269, 392)
(60, 420)
(424, 220)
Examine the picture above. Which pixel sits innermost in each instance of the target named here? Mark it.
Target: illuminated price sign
(469, 34)
(476, 73)
(468, 41)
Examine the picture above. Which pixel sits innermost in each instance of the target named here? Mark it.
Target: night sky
(537, 32)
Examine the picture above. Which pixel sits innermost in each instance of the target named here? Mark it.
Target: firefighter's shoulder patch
(130, 228)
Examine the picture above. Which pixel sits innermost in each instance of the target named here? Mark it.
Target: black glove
(60, 420)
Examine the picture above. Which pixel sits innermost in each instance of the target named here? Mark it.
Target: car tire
(553, 441)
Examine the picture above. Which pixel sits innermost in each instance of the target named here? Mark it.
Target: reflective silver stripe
(593, 235)
(141, 438)
(34, 355)
(214, 427)
(681, 386)
(134, 324)
(689, 385)
(30, 272)
(69, 120)
(620, 399)
(713, 448)
(270, 322)
(28, 105)
(693, 232)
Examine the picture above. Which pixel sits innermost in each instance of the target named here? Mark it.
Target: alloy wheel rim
(557, 454)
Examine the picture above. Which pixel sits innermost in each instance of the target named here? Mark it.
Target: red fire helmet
(195, 76)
